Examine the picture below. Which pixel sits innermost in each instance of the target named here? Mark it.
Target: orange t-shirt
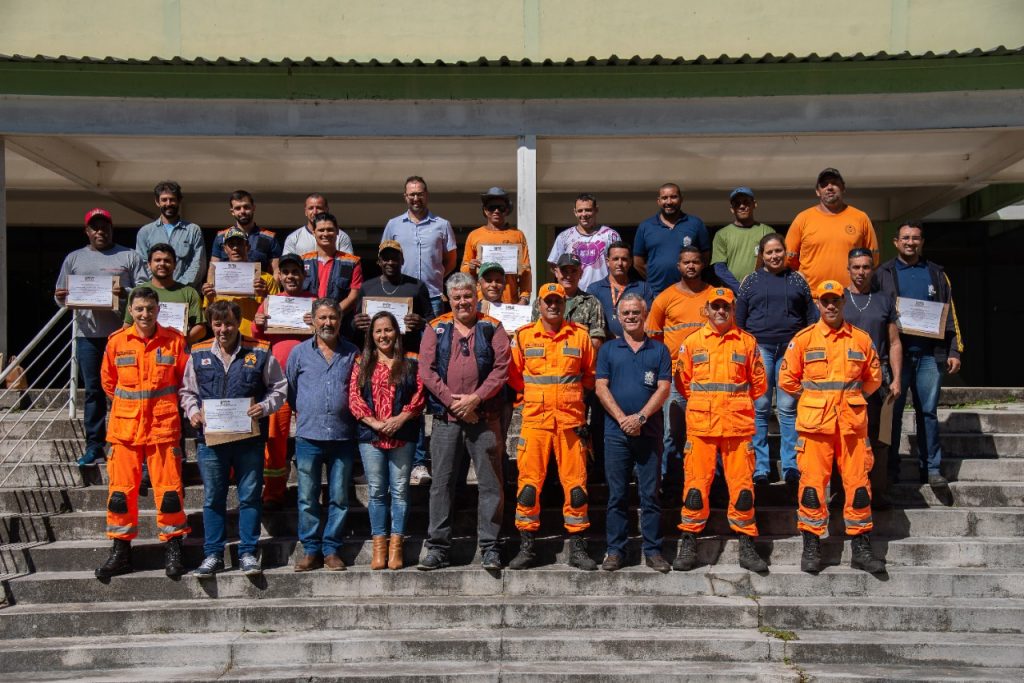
(818, 244)
(515, 285)
(675, 315)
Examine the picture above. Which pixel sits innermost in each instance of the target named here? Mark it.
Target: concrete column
(526, 196)
(3, 252)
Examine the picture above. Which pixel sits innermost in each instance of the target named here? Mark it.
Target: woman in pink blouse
(386, 395)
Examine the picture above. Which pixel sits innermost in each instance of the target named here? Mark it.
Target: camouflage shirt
(584, 309)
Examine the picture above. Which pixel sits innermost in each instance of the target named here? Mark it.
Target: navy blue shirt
(633, 378)
(661, 246)
(263, 247)
(602, 289)
(915, 283)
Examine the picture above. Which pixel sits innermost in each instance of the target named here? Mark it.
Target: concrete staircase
(950, 608)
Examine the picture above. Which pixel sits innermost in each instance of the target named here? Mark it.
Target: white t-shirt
(589, 249)
(302, 242)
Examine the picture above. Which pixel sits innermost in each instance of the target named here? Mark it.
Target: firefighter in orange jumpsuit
(720, 373)
(553, 361)
(142, 370)
(832, 366)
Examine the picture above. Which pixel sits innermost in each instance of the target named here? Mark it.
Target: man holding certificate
(239, 281)
(232, 384)
(329, 272)
(180, 305)
(931, 342)
(93, 280)
(497, 241)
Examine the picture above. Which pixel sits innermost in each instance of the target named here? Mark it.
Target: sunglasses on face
(464, 346)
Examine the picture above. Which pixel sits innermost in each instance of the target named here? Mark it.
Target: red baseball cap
(92, 213)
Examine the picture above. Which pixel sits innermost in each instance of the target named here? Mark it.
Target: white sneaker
(249, 565)
(419, 476)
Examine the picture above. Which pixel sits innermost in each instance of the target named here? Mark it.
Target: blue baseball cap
(741, 190)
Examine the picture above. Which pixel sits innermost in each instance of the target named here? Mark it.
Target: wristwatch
(641, 418)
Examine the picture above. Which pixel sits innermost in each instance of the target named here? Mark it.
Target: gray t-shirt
(878, 311)
(120, 261)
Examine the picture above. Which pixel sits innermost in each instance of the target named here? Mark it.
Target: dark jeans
(675, 438)
(921, 375)
(879, 471)
(621, 455)
(216, 464)
(311, 458)
(449, 444)
(89, 354)
(421, 456)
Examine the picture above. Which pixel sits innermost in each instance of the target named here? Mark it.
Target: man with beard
(611, 290)
(161, 264)
(302, 241)
(263, 244)
(660, 237)
(587, 241)
(736, 245)
(820, 238)
(185, 238)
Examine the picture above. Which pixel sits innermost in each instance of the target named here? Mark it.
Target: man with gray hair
(464, 366)
(633, 377)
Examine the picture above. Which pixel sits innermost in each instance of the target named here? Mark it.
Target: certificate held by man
(92, 291)
(238, 278)
(511, 316)
(227, 419)
(507, 255)
(396, 306)
(286, 314)
(922, 318)
(173, 315)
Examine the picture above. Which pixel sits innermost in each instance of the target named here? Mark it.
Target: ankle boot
(686, 559)
(174, 563)
(119, 561)
(525, 557)
(863, 557)
(379, 559)
(395, 552)
(749, 559)
(578, 556)
(810, 561)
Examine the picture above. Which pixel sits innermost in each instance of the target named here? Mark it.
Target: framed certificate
(230, 277)
(174, 315)
(505, 254)
(285, 314)
(226, 420)
(922, 318)
(512, 316)
(396, 306)
(92, 291)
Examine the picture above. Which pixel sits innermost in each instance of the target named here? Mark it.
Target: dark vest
(339, 282)
(404, 392)
(483, 331)
(243, 379)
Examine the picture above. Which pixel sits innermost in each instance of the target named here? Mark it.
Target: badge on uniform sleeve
(206, 361)
(250, 359)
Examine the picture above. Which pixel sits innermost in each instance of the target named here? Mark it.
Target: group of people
(668, 378)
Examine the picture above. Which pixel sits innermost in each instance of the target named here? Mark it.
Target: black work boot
(174, 563)
(863, 557)
(810, 561)
(686, 558)
(749, 559)
(578, 556)
(524, 558)
(119, 562)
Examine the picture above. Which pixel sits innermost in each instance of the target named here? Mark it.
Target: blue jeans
(675, 438)
(920, 373)
(621, 454)
(786, 406)
(421, 454)
(311, 457)
(215, 465)
(387, 472)
(89, 354)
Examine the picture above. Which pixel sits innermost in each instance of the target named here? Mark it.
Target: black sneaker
(210, 566)
(434, 559)
(491, 559)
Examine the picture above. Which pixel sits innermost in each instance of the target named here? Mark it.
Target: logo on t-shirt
(687, 241)
(649, 378)
(589, 253)
(850, 230)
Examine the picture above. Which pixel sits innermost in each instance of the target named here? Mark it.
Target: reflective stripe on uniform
(700, 358)
(569, 519)
(740, 522)
(692, 520)
(277, 472)
(550, 379)
(570, 351)
(726, 387)
(133, 395)
(111, 529)
(814, 355)
(172, 529)
(527, 518)
(535, 352)
(125, 360)
(682, 326)
(857, 523)
(854, 355)
(831, 386)
(816, 523)
(739, 358)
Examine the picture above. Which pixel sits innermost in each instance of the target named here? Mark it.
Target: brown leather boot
(380, 551)
(395, 552)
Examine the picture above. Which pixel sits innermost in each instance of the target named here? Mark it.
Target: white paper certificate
(505, 254)
(398, 307)
(235, 278)
(227, 415)
(922, 318)
(92, 291)
(512, 316)
(285, 313)
(173, 315)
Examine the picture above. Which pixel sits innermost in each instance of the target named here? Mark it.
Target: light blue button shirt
(424, 246)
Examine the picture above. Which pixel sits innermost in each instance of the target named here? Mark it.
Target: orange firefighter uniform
(142, 377)
(832, 371)
(720, 374)
(552, 370)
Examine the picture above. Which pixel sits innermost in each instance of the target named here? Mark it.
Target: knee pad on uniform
(527, 496)
(810, 498)
(694, 501)
(577, 497)
(118, 503)
(745, 501)
(170, 503)
(861, 499)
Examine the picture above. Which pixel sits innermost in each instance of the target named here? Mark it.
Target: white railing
(55, 385)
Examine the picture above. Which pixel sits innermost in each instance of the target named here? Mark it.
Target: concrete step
(902, 648)
(724, 580)
(1006, 418)
(968, 469)
(973, 445)
(884, 673)
(31, 451)
(51, 424)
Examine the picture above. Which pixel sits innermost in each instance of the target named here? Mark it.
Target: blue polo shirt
(602, 289)
(633, 378)
(915, 282)
(661, 246)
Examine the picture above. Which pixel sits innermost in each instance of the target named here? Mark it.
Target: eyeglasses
(626, 315)
(491, 208)
(464, 346)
